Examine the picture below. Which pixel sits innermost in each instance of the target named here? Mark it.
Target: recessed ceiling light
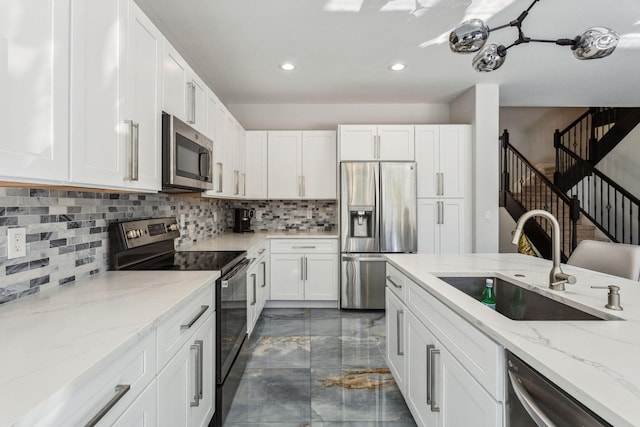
(287, 66)
(397, 67)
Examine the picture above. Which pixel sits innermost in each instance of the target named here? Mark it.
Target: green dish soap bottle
(488, 296)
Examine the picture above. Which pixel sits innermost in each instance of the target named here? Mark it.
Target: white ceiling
(343, 49)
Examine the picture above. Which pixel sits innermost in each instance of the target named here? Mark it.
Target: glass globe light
(490, 58)
(469, 36)
(596, 42)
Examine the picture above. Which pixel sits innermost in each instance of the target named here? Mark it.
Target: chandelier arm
(560, 42)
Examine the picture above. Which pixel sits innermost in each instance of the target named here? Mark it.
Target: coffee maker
(242, 220)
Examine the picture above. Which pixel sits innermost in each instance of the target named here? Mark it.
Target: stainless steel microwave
(186, 157)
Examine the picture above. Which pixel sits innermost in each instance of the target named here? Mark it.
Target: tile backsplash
(67, 231)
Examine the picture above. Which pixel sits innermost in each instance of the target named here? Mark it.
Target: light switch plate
(17, 242)
(309, 215)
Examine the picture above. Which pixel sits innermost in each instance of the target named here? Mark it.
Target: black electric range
(148, 244)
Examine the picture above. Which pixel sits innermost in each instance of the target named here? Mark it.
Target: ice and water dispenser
(361, 221)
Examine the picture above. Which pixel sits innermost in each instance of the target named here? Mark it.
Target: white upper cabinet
(442, 154)
(34, 89)
(285, 165)
(239, 161)
(376, 142)
(256, 164)
(302, 165)
(115, 96)
(175, 71)
(196, 102)
(319, 165)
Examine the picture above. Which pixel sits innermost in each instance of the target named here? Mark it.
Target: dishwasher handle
(538, 416)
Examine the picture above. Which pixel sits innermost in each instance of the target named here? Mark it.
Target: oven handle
(238, 269)
(539, 417)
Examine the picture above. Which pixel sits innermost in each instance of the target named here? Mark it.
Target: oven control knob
(131, 234)
(173, 227)
(138, 233)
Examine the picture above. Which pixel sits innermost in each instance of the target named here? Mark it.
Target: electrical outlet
(17, 242)
(183, 220)
(258, 215)
(309, 215)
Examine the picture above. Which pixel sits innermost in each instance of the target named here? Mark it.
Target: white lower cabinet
(396, 342)
(441, 226)
(304, 269)
(257, 284)
(143, 411)
(448, 371)
(185, 385)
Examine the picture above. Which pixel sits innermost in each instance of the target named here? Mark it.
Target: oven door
(187, 157)
(231, 316)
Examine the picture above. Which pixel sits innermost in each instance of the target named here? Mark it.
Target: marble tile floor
(318, 367)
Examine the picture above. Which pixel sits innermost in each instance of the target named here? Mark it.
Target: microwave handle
(204, 166)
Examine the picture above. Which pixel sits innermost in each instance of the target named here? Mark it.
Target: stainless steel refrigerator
(377, 216)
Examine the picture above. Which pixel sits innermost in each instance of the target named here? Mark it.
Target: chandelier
(471, 36)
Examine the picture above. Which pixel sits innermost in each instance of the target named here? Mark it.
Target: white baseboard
(301, 304)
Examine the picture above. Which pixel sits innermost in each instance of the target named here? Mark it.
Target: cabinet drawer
(397, 282)
(304, 246)
(176, 329)
(259, 250)
(135, 369)
(480, 355)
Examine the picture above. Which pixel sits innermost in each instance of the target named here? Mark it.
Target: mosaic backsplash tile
(289, 215)
(67, 231)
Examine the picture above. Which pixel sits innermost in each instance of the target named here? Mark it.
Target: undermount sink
(517, 303)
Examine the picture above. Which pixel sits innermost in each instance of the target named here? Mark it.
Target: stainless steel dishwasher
(533, 400)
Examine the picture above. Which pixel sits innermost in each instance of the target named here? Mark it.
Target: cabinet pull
(431, 373)
(306, 271)
(197, 371)
(264, 274)
(192, 103)
(200, 343)
(253, 278)
(399, 340)
(440, 190)
(203, 308)
(261, 252)
(303, 247)
(136, 152)
(219, 177)
(390, 279)
(121, 390)
(244, 184)
(301, 268)
(133, 149)
(236, 178)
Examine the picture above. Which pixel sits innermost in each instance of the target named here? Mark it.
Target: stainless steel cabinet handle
(390, 279)
(264, 274)
(253, 278)
(121, 390)
(539, 417)
(244, 184)
(236, 178)
(200, 343)
(430, 348)
(198, 379)
(203, 308)
(219, 177)
(440, 190)
(303, 247)
(134, 148)
(192, 102)
(261, 252)
(301, 268)
(432, 379)
(306, 270)
(399, 340)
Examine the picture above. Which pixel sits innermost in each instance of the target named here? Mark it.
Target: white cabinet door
(321, 277)
(100, 138)
(462, 400)
(319, 166)
(143, 99)
(395, 315)
(142, 412)
(357, 142)
(34, 89)
(421, 382)
(175, 390)
(452, 230)
(442, 153)
(428, 160)
(175, 70)
(256, 164)
(196, 101)
(239, 154)
(252, 297)
(228, 132)
(286, 277)
(203, 371)
(428, 226)
(396, 142)
(285, 165)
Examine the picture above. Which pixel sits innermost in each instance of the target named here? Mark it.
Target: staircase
(586, 203)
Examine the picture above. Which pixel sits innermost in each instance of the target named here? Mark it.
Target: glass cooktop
(193, 260)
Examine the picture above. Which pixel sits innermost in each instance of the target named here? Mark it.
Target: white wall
(531, 129)
(622, 164)
(480, 107)
(329, 116)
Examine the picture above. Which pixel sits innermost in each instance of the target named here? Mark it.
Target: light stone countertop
(247, 241)
(597, 362)
(56, 339)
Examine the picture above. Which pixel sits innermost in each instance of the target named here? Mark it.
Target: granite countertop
(597, 362)
(59, 337)
(247, 241)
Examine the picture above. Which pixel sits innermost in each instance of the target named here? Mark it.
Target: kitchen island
(594, 361)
